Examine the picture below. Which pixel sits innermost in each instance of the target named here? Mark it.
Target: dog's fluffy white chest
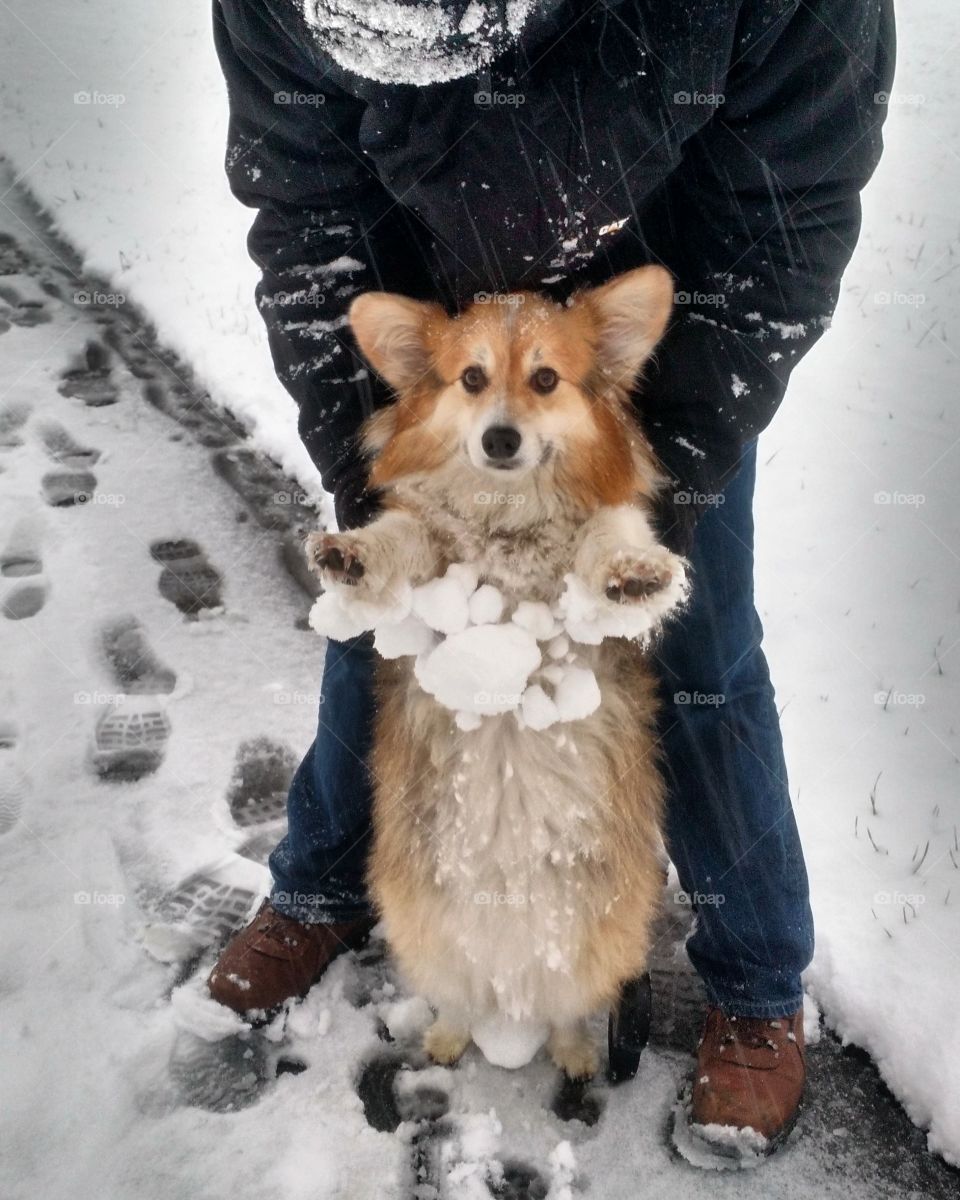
(515, 836)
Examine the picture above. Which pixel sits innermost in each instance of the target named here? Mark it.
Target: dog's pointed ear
(391, 332)
(630, 313)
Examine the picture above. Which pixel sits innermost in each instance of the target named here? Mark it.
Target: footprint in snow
(14, 784)
(394, 1089)
(63, 448)
(209, 905)
(194, 411)
(13, 261)
(24, 601)
(391, 1093)
(272, 499)
(223, 1076)
(13, 417)
(89, 378)
(140, 358)
(130, 738)
(520, 1181)
(20, 559)
(257, 793)
(64, 489)
(20, 311)
(188, 580)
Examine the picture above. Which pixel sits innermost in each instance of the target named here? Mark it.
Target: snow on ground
(859, 589)
(858, 585)
(117, 118)
(121, 872)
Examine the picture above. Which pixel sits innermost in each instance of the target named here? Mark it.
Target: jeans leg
(318, 868)
(730, 825)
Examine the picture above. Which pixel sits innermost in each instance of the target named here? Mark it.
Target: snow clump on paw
(479, 656)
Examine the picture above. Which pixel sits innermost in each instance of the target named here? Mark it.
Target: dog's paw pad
(337, 557)
(632, 580)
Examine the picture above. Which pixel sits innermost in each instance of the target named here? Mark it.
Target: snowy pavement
(160, 616)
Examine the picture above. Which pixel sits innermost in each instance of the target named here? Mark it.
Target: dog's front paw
(445, 1043)
(634, 576)
(336, 558)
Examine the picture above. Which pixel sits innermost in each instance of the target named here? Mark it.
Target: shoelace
(276, 928)
(747, 1034)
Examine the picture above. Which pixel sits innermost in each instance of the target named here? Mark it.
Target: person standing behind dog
(452, 150)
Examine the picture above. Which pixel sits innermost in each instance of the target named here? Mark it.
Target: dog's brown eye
(473, 379)
(544, 379)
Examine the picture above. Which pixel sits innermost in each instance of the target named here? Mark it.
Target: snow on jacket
(444, 150)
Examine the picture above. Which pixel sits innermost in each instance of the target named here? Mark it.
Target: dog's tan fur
(558, 828)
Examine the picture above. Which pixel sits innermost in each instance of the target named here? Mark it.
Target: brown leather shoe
(750, 1074)
(275, 958)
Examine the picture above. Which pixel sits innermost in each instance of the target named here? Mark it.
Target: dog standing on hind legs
(516, 869)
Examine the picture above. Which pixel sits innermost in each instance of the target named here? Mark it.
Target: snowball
(473, 662)
(465, 574)
(537, 709)
(537, 618)
(486, 605)
(559, 647)
(392, 605)
(589, 617)
(484, 669)
(505, 1042)
(339, 614)
(577, 694)
(409, 636)
(406, 1018)
(331, 619)
(442, 604)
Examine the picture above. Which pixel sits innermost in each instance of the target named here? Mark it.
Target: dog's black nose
(500, 442)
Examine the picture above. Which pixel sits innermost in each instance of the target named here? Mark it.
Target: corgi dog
(517, 871)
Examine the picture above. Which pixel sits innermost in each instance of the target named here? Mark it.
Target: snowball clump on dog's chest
(480, 656)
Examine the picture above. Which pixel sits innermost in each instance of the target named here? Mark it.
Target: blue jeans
(730, 827)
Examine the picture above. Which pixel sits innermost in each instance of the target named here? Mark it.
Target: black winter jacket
(726, 139)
